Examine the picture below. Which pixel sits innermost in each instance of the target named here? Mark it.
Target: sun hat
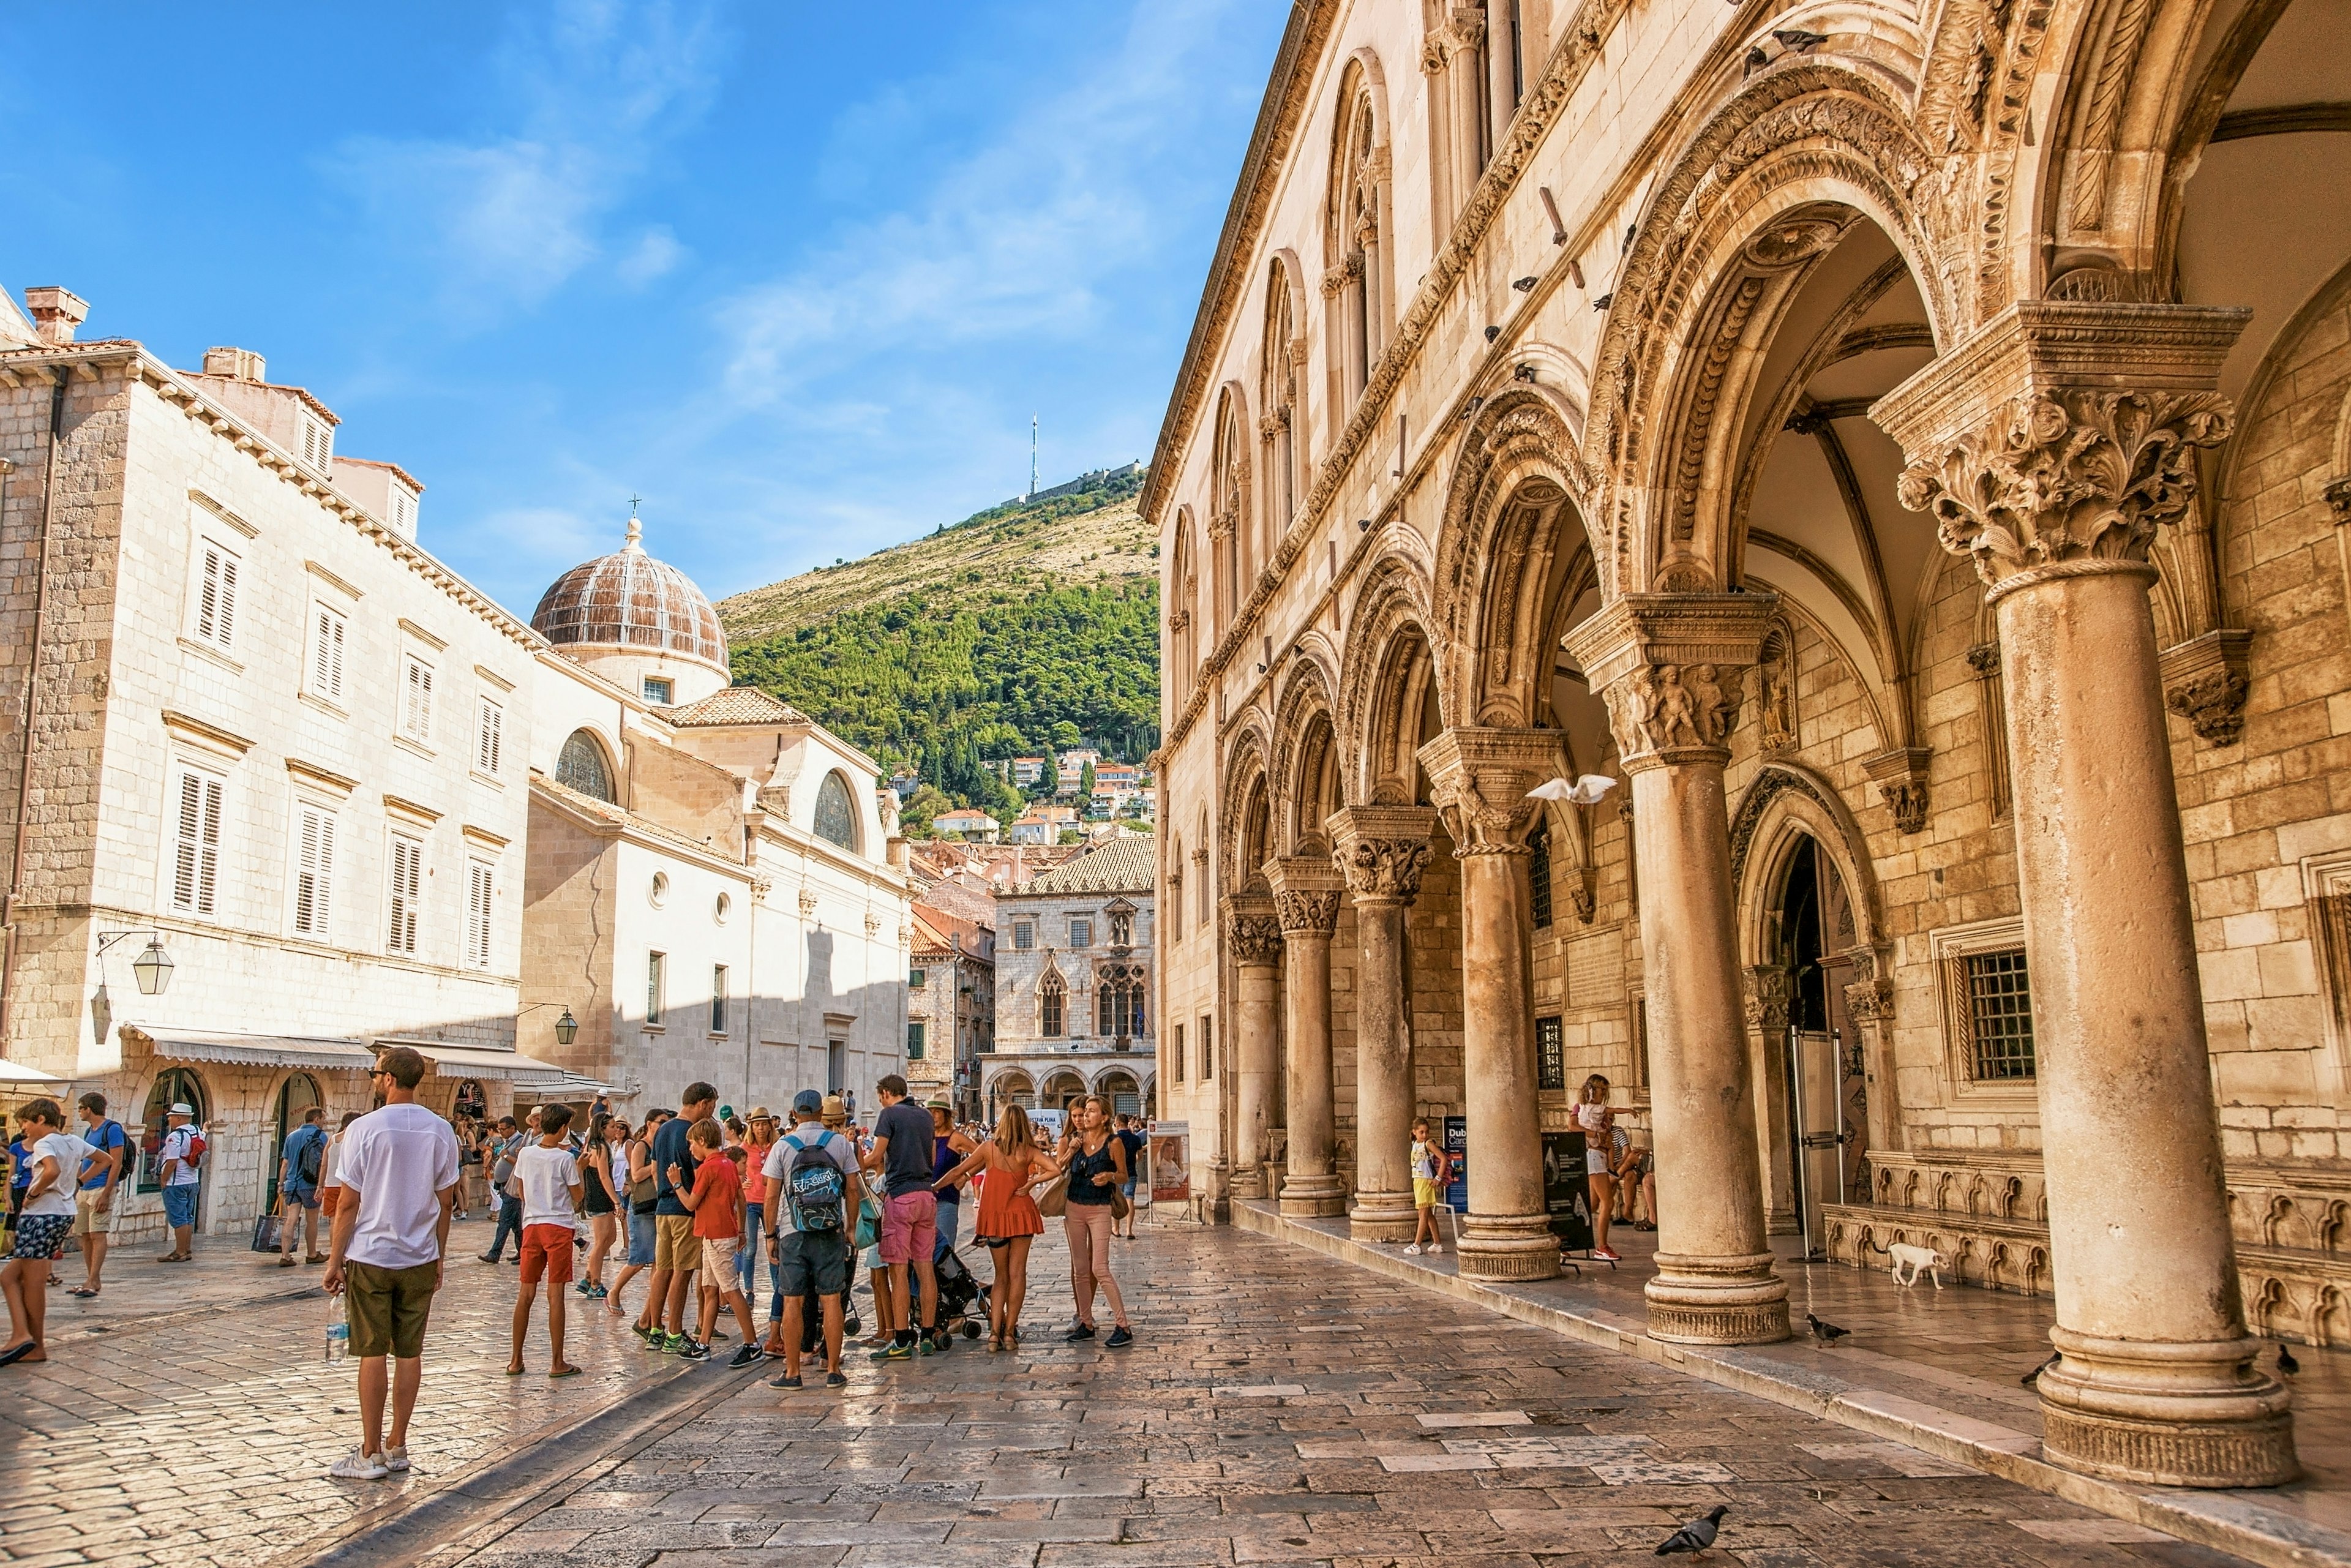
(181, 1108)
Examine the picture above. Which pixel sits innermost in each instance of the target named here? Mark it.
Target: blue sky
(797, 274)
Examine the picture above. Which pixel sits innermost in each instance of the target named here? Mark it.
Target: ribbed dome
(628, 599)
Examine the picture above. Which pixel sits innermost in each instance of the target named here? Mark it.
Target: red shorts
(329, 1199)
(547, 1252)
(910, 1226)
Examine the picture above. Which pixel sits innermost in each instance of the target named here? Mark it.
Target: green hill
(1025, 627)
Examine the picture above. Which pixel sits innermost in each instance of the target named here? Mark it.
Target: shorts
(1595, 1162)
(327, 1197)
(88, 1219)
(910, 1226)
(307, 1196)
(547, 1252)
(641, 1240)
(1425, 1193)
(179, 1205)
(389, 1308)
(40, 1236)
(718, 1270)
(817, 1262)
(675, 1245)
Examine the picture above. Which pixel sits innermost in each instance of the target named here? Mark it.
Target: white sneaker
(395, 1458)
(1413, 1248)
(358, 1466)
(1437, 1247)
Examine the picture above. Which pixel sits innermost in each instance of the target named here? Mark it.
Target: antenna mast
(1032, 459)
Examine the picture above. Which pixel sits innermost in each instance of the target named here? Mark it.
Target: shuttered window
(196, 865)
(479, 888)
(490, 742)
(328, 631)
(407, 893)
(314, 873)
(216, 597)
(416, 702)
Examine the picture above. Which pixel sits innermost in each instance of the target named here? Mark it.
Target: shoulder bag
(1054, 1201)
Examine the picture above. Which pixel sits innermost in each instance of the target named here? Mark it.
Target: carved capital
(1672, 667)
(1900, 776)
(1984, 659)
(1383, 850)
(1867, 1001)
(2338, 495)
(1480, 776)
(1305, 894)
(2205, 681)
(1221, 524)
(808, 902)
(2063, 435)
(1767, 992)
(1334, 282)
(1252, 932)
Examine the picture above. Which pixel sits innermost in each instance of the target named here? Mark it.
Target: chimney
(237, 365)
(56, 313)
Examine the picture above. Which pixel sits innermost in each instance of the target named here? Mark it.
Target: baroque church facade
(1905, 449)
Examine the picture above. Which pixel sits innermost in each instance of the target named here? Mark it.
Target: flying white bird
(1585, 791)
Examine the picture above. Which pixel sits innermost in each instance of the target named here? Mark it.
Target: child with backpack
(812, 1198)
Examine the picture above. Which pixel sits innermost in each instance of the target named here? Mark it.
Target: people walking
(180, 1162)
(1095, 1162)
(503, 1197)
(1427, 1162)
(55, 1156)
(100, 1176)
(758, 1143)
(715, 1198)
(902, 1159)
(605, 1134)
(399, 1173)
(330, 1181)
(1597, 1121)
(677, 1252)
(552, 1189)
(301, 1163)
(809, 1221)
(1007, 1166)
(637, 1192)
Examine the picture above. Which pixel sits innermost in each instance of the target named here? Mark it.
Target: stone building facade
(950, 1006)
(1076, 951)
(1905, 450)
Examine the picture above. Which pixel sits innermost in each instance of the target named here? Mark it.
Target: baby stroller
(963, 1299)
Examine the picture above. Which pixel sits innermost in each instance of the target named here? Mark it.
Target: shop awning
(254, 1049)
(479, 1061)
(17, 1072)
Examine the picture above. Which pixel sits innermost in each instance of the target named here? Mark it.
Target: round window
(660, 893)
(725, 907)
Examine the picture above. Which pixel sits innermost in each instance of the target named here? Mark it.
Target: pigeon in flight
(1694, 1537)
(1584, 791)
(1826, 1333)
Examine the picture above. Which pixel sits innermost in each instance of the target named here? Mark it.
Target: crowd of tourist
(701, 1201)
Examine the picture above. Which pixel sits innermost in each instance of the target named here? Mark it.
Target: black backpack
(308, 1163)
(814, 1186)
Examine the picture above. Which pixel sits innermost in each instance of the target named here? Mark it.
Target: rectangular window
(416, 702)
(314, 873)
(1207, 1053)
(917, 979)
(1082, 933)
(407, 893)
(404, 512)
(1997, 1014)
(1538, 875)
(480, 887)
(915, 1042)
(1551, 1054)
(318, 445)
(657, 690)
(216, 597)
(1024, 934)
(328, 631)
(489, 742)
(196, 862)
(1175, 1058)
(656, 985)
(719, 998)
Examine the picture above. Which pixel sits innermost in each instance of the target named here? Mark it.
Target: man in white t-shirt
(398, 1168)
(548, 1174)
(41, 1227)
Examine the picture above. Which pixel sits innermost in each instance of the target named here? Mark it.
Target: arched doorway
(1822, 1081)
(472, 1100)
(1009, 1089)
(1126, 1097)
(1061, 1089)
(296, 1095)
(174, 1086)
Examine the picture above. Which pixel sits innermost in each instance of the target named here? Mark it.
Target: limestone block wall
(1433, 939)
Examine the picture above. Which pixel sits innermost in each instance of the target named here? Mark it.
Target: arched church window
(836, 815)
(1052, 1007)
(581, 766)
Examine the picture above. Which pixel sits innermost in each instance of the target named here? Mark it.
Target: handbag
(266, 1233)
(1054, 1201)
(868, 1223)
(1121, 1205)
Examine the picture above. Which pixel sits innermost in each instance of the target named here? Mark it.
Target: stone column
(1306, 901)
(2049, 447)
(1480, 777)
(1253, 936)
(1671, 667)
(1382, 851)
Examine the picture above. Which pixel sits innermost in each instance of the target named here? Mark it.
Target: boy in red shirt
(716, 1202)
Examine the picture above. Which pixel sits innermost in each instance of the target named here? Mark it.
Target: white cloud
(655, 254)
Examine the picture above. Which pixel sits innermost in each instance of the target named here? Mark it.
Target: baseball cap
(181, 1108)
(808, 1102)
(726, 1113)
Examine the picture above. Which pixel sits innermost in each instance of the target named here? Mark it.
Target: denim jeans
(179, 1205)
(756, 1245)
(509, 1224)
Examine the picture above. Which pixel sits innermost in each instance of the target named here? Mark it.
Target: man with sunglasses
(398, 1168)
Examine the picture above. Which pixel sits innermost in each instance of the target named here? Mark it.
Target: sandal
(83, 1292)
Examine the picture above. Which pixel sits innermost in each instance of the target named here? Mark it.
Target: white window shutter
(315, 873)
(195, 866)
(477, 911)
(493, 728)
(225, 629)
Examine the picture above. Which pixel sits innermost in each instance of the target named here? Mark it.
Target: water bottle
(339, 1328)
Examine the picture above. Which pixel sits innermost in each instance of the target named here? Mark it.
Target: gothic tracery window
(580, 766)
(1119, 1001)
(1278, 397)
(836, 814)
(1052, 1007)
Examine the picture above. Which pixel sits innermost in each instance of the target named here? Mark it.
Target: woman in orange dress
(1012, 1163)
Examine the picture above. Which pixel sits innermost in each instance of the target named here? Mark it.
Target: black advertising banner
(1457, 1149)
(1567, 1191)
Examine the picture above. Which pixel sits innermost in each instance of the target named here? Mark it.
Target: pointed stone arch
(1306, 759)
(1245, 813)
(1385, 669)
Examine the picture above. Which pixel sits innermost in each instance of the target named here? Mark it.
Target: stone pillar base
(1383, 1217)
(2198, 1415)
(1717, 1301)
(1249, 1181)
(1508, 1246)
(1318, 1196)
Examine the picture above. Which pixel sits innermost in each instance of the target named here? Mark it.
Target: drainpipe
(64, 377)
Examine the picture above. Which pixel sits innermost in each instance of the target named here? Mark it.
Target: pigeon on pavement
(2286, 1362)
(1694, 1537)
(1826, 1333)
(2033, 1377)
(1584, 791)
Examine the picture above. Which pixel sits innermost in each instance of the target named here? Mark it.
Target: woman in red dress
(1008, 1221)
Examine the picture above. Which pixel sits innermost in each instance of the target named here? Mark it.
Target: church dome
(630, 600)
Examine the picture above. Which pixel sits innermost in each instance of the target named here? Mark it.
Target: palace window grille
(1082, 933)
(1207, 1050)
(718, 1022)
(1024, 935)
(1995, 1014)
(1551, 1054)
(1540, 875)
(657, 986)
(1176, 1057)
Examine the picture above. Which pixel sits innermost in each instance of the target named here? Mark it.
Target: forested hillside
(1025, 627)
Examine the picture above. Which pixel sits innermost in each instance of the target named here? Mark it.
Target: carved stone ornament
(1984, 659)
(1868, 1000)
(1768, 994)
(1582, 895)
(1481, 776)
(2205, 681)
(1900, 776)
(2338, 496)
(808, 902)
(872, 924)
(1252, 932)
(1672, 668)
(1382, 850)
(762, 885)
(1307, 914)
(1670, 708)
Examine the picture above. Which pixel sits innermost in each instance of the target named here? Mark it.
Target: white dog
(1915, 1258)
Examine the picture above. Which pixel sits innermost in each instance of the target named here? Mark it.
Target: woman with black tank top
(596, 1200)
(637, 1189)
(948, 1147)
(1095, 1162)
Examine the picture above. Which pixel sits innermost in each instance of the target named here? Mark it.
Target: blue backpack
(814, 1186)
